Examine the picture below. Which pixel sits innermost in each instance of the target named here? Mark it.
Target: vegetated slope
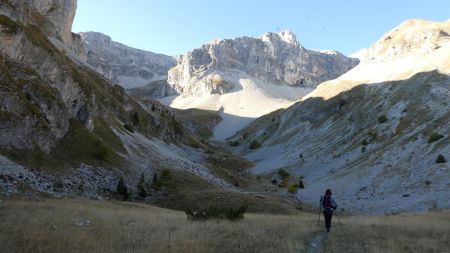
(66, 130)
(378, 135)
(244, 78)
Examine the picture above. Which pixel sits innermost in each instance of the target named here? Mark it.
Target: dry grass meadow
(51, 226)
(397, 234)
(57, 226)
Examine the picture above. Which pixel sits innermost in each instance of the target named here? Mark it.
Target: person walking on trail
(329, 205)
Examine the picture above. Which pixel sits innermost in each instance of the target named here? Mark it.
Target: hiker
(329, 205)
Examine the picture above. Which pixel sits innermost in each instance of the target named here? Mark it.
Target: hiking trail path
(317, 243)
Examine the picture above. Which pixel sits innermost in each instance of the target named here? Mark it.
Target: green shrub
(255, 144)
(233, 143)
(129, 128)
(441, 159)
(365, 142)
(166, 174)
(382, 119)
(293, 189)
(363, 149)
(283, 174)
(122, 189)
(216, 213)
(135, 119)
(373, 135)
(159, 182)
(435, 137)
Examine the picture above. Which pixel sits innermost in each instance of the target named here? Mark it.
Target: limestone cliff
(124, 65)
(276, 58)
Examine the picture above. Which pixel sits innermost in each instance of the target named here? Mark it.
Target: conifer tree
(141, 186)
(122, 189)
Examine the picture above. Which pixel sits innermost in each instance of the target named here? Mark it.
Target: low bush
(233, 143)
(435, 137)
(255, 144)
(166, 174)
(129, 128)
(216, 213)
(161, 181)
(122, 189)
(293, 189)
(441, 159)
(283, 174)
(382, 119)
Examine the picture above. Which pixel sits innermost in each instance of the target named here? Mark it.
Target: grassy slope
(185, 190)
(127, 227)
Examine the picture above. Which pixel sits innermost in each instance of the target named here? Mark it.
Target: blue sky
(177, 26)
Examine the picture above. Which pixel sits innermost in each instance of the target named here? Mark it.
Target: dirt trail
(317, 243)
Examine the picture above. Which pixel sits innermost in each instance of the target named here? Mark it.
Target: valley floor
(87, 226)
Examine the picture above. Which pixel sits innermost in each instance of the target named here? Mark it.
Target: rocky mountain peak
(275, 58)
(285, 36)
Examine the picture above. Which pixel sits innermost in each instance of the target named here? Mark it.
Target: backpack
(326, 202)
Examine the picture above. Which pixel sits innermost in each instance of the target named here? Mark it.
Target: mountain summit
(275, 58)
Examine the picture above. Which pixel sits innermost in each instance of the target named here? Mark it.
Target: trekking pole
(339, 220)
(320, 210)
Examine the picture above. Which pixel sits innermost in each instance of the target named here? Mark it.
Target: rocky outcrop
(153, 90)
(124, 65)
(53, 17)
(273, 58)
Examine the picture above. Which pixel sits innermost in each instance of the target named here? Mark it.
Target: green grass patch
(103, 131)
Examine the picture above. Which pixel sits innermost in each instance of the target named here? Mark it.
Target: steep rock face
(54, 17)
(374, 134)
(273, 58)
(124, 65)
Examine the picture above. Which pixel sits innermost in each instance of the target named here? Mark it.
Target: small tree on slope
(141, 186)
(122, 189)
